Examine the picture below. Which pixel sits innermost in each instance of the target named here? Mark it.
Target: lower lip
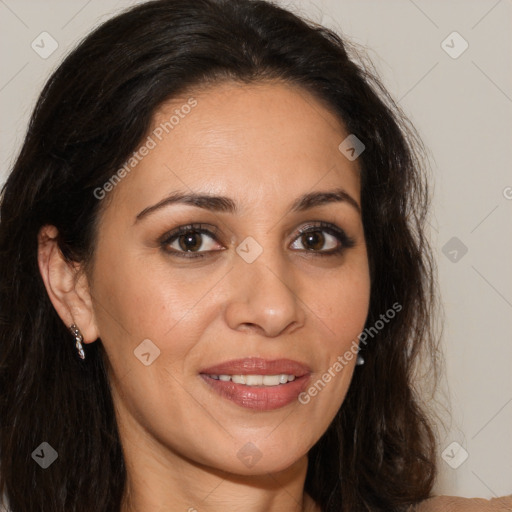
(258, 397)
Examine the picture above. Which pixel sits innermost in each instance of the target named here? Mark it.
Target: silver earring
(78, 340)
(359, 360)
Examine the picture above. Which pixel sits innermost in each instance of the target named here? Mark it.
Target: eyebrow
(226, 205)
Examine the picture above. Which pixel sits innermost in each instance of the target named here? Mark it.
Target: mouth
(256, 380)
(257, 383)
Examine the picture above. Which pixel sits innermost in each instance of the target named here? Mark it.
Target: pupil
(190, 241)
(314, 240)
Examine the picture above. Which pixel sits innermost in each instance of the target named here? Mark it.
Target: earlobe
(66, 286)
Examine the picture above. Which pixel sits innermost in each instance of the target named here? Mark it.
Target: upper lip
(258, 366)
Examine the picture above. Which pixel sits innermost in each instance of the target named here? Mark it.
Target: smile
(256, 380)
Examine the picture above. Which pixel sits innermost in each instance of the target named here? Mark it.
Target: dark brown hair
(379, 452)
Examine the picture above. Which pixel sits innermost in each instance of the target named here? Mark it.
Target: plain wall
(462, 108)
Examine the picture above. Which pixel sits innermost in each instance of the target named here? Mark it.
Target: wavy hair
(378, 454)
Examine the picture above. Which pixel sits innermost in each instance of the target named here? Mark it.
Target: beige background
(463, 110)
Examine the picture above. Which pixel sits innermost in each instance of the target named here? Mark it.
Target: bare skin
(263, 146)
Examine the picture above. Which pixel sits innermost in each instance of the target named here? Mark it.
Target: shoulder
(456, 504)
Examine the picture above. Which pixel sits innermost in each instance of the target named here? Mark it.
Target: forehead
(262, 119)
(256, 140)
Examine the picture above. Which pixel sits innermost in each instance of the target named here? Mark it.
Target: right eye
(186, 240)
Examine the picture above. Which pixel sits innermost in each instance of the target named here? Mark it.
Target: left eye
(317, 240)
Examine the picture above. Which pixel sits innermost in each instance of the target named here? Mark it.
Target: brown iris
(190, 241)
(313, 240)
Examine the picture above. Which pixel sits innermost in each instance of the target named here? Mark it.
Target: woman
(214, 280)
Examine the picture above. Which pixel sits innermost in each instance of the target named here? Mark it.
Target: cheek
(139, 298)
(146, 307)
(347, 305)
(341, 307)
(341, 301)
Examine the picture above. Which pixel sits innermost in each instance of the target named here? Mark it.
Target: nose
(264, 297)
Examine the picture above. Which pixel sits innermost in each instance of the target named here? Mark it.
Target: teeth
(252, 380)
(239, 379)
(256, 380)
(272, 380)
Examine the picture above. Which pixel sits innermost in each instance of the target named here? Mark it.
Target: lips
(258, 366)
(258, 397)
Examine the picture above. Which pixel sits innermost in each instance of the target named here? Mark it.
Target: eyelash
(345, 241)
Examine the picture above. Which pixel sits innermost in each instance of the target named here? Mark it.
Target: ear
(66, 286)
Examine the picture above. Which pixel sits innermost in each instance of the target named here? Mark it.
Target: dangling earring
(360, 359)
(78, 340)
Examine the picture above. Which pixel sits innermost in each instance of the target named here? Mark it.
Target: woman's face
(264, 273)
